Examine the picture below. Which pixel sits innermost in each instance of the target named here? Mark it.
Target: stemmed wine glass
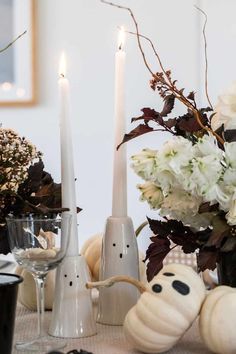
(39, 244)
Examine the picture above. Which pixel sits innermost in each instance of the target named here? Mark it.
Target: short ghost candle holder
(72, 309)
(119, 256)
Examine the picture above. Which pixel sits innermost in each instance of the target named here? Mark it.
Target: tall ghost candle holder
(119, 248)
(72, 315)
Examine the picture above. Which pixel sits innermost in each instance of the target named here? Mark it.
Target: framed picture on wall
(17, 64)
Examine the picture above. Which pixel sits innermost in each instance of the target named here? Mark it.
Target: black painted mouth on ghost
(70, 283)
(121, 255)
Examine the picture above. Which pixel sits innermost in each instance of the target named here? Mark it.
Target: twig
(154, 51)
(206, 58)
(169, 84)
(116, 279)
(11, 43)
(137, 30)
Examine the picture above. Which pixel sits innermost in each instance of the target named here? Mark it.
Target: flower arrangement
(191, 180)
(24, 185)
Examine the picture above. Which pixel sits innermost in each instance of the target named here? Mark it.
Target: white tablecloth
(109, 339)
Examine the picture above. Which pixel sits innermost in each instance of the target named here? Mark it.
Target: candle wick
(62, 75)
(120, 47)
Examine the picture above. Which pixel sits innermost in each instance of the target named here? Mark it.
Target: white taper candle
(119, 196)
(67, 165)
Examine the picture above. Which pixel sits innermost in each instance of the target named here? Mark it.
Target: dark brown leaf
(148, 114)
(189, 123)
(139, 130)
(178, 233)
(230, 135)
(34, 180)
(207, 207)
(207, 258)
(170, 123)
(191, 96)
(169, 102)
(160, 228)
(156, 253)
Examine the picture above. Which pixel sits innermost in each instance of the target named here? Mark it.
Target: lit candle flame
(62, 65)
(121, 38)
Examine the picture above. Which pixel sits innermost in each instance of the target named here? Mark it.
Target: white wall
(86, 30)
(221, 37)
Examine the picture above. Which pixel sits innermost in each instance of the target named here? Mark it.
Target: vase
(4, 245)
(226, 269)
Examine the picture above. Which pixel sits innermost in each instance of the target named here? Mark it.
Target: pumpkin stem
(116, 279)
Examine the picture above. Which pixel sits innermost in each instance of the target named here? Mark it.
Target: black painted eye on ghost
(65, 275)
(127, 246)
(181, 287)
(157, 288)
(114, 245)
(168, 274)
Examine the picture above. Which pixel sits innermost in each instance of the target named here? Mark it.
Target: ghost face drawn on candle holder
(122, 249)
(119, 253)
(72, 319)
(70, 281)
(119, 257)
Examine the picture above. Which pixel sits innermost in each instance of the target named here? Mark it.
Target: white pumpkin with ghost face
(166, 309)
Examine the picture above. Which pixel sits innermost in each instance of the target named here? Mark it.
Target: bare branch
(137, 30)
(10, 44)
(177, 93)
(206, 59)
(166, 81)
(154, 51)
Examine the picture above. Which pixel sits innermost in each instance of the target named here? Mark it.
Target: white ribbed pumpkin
(92, 249)
(165, 310)
(27, 289)
(218, 321)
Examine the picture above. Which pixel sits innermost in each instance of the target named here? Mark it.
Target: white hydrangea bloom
(231, 215)
(198, 221)
(166, 180)
(230, 154)
(175, 154)
(219, 193)
(152, 194)
(229, 178)
(183, 206)
(145, 164)
(181, 176)
(179, 203)
(207, 145)
(206, 172)
(226, 109)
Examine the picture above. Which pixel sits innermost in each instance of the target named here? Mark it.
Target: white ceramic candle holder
(119, 257)
(72, 315)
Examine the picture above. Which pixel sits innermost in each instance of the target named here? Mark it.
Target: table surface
(109, 339)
